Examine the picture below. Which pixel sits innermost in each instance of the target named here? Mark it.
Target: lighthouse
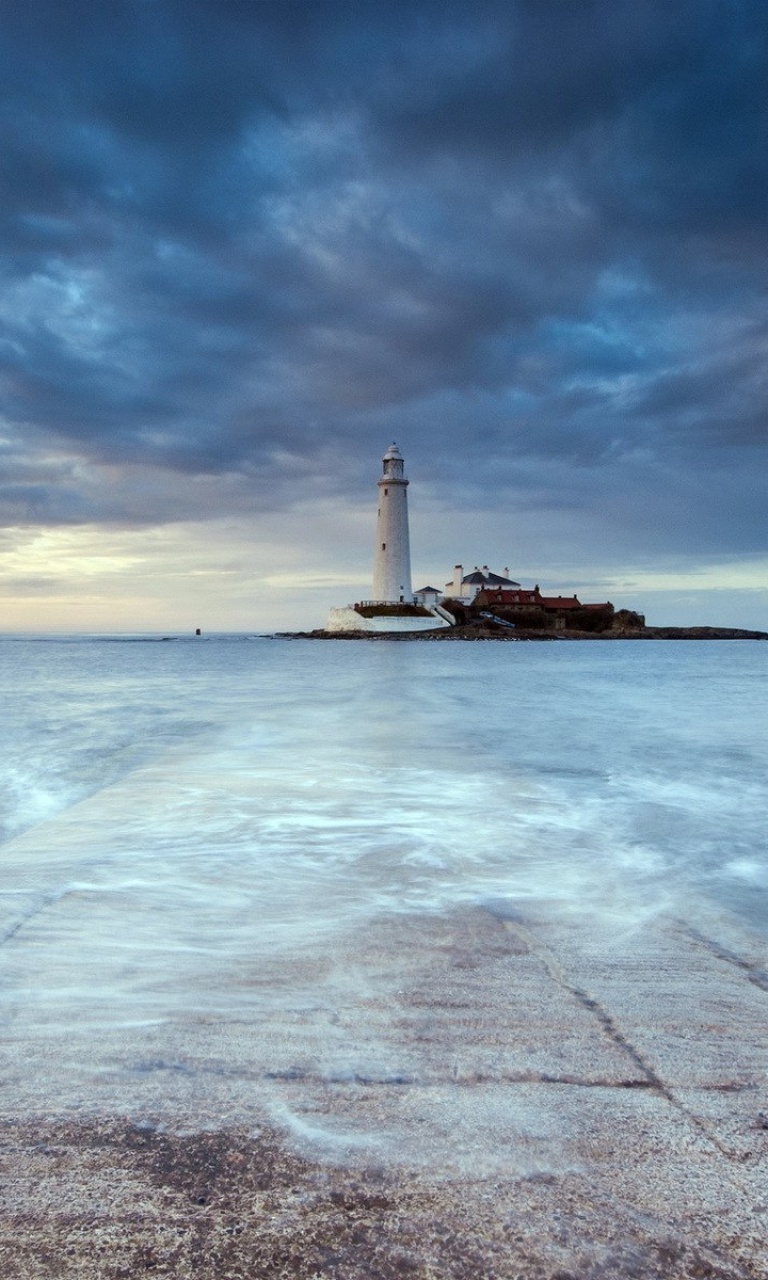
(392, 554)
(393, 607)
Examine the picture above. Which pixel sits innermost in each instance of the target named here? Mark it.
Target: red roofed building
(558, 609)
(522, 599)
(554, 604)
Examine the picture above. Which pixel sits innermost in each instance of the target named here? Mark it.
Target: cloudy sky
(247, 243)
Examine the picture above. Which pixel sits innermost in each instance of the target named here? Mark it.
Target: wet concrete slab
(487, 1093)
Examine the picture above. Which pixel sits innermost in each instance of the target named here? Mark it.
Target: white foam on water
(199, 831)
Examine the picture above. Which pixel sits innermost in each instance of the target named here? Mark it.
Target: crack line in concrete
(614, 1033)
(753, 974)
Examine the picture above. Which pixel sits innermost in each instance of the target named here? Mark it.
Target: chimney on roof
(453, 587)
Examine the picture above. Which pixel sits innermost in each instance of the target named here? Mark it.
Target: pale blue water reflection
(172, 810)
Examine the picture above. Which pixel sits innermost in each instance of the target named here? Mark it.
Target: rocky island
(588, 622)
(480, 604)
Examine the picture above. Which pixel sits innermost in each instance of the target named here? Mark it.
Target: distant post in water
(392, 557)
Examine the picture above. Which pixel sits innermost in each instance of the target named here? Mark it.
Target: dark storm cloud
(527, 237)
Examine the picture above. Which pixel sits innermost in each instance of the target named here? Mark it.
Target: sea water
(194, 828)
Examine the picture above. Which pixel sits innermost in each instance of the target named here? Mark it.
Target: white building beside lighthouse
(392, 554)
(392, 607)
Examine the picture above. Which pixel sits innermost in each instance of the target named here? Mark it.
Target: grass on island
(392, 611)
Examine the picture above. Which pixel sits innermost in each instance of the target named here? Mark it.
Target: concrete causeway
(506, 1091)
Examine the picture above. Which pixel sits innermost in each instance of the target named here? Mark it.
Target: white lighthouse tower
(392, 555)
(393, 607)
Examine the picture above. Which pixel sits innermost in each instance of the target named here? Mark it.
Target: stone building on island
(465, 587)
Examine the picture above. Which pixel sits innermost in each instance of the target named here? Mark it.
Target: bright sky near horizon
(246, 246)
